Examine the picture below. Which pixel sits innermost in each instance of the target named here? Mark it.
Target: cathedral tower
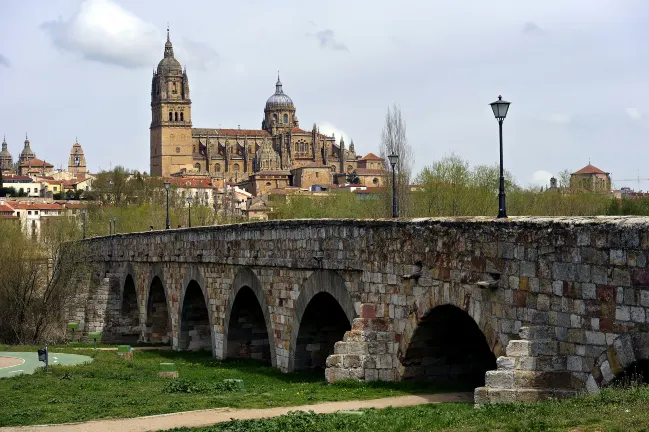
(171, 121)
(6, 161)
(279, 112)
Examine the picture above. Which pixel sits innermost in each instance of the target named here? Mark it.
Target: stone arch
(447, 346)
(247, 279)
(129, 308)
(328, 285)
(195, 323)
(625, 351)
(438, 295)
(158, 324)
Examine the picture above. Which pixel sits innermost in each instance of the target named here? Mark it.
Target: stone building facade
(6, 160)
(592, 179)
(233, 154)
(521, 309)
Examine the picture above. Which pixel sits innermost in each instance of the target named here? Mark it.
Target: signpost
(43, 356)
(72, 326)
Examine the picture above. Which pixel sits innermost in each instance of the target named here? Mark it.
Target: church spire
(169, 49)
(278, 85)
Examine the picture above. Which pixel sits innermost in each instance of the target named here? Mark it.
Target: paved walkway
(219, 415)
(30, 362)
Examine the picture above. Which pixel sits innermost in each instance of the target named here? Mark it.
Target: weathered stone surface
(574, 287)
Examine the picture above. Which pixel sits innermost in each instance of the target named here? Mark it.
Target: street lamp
(394, 158)
(115, 225)
(167, 186)
(189, 216)
(500, 108)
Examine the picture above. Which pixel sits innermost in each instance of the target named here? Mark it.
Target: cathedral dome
(279, 99)
(4, 152)
(169, 64)
(27, 151)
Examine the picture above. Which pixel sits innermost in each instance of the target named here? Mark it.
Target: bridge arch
(625, 353)
(324, 311)
(129, 308)
(248, 302)
(158, 323)
(449, 337)
(195, 323)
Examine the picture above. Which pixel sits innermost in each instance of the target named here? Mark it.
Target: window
(174, 88)
(235, 167)
(197, 166)
(35, 190)
(375, 181)
(28, 190)
(217, 167)
(182, 117)
(285, 118)
(333, 168)
(171, 116)
(29, 212)
(275, 117)
(317, 174)
(267, 184)
(55, 189)
(175, 116)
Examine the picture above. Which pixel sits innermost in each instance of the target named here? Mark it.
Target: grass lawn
(613, 410)
(110, 387)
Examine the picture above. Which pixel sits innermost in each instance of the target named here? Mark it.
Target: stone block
(334, 360)
(499, 379)
(368, 310)
(536, 332)
(506, 363)
(351, 361)
(622, 313)
(595, 338)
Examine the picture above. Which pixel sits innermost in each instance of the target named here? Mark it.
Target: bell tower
(171, 119)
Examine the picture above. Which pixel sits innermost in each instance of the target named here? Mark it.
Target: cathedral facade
(279, 147)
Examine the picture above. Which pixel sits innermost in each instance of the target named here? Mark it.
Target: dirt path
(219, 415)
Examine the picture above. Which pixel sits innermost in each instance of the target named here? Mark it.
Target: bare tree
(394, 141)
(37, 282)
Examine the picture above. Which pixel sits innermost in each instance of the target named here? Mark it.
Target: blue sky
(576, 71)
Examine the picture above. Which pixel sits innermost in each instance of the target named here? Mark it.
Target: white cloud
(634, 113)
(328, 129)
(541, 178)
(560, 118)
(103, 31)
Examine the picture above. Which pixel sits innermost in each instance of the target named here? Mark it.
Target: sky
(576, 72)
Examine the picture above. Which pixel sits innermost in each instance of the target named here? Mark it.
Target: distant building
(592, 179)
(77, 161)
(6, 160)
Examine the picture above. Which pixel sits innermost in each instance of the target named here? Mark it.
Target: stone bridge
(520, 309)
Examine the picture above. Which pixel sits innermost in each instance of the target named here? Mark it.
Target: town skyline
(572, 73)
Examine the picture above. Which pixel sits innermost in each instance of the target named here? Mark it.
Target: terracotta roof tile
(36, 163)
(196, 183)
(590, 169)
(371, 156)
(6, 208)
(16, 177)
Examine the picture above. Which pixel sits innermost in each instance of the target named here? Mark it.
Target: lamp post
(500, 108)
(394, 158)
(167, 186)
(83, 222)
(110, 226)
(189, 209)
(114, 224)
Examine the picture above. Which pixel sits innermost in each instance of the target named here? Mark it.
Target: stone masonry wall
(561, 302)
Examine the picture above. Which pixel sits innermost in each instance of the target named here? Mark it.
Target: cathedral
(276, 153)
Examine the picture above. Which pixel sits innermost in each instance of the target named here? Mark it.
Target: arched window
(217, 167)
(333, 168)
(176, 117)
(182, 117)
(267, 184)
(235, 167)
(171, 116)
(350, 168)
(174, 88)
(285, 118)
(197, 166)
(297, 147)
(375, 181)
(275, 117)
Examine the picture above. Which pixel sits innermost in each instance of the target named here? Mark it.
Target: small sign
(42, 355)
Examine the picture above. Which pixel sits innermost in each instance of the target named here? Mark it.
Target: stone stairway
(366, 351)
(531, 371)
